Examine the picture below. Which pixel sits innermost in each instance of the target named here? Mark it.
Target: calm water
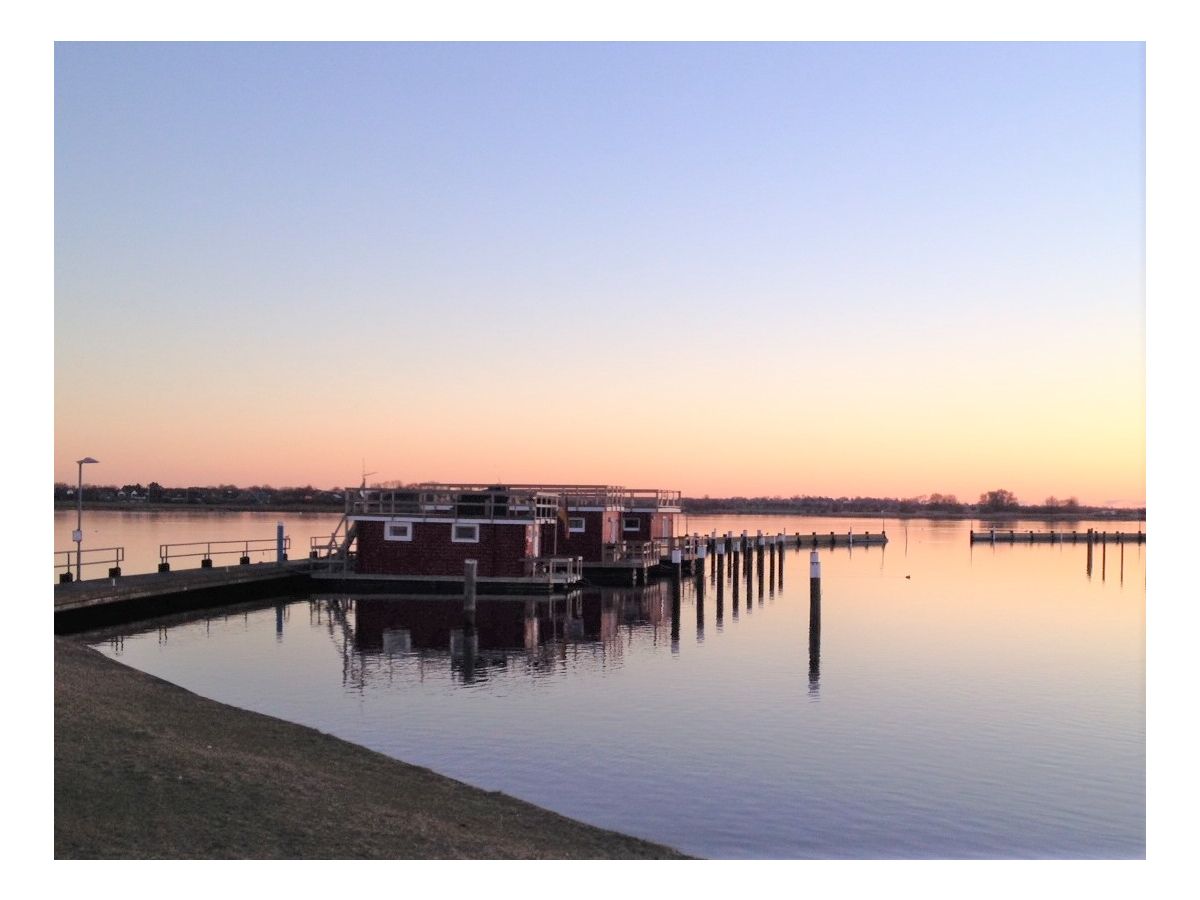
(956, 702)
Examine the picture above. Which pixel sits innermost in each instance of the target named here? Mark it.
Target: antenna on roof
(365, 473)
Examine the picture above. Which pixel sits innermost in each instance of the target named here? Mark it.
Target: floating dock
(80, 605)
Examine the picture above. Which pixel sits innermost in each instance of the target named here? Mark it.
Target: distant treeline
(997, 502)
(222, 495)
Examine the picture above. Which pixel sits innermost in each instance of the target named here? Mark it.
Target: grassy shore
(145, 769)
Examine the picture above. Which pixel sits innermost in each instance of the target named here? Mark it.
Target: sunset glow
(822, 269)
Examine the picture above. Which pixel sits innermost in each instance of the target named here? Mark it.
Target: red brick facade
(600, 527)
(500, 551)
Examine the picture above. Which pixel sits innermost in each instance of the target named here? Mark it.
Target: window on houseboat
(398, 531)
(575, 524)
(465, 534)
(633, 524)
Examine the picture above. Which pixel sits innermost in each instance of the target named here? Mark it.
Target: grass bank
(145, 769)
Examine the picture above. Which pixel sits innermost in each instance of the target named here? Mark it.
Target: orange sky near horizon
(727, 269)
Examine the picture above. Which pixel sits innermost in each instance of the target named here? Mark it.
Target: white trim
(455, 539)
(576, 529)
(407, 535)
(625, 520)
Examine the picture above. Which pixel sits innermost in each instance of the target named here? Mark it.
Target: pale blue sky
(719, 209)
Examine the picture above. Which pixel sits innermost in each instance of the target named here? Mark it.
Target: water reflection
(995, 689)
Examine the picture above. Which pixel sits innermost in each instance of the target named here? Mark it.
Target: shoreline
(144, 769)
(1115, 515)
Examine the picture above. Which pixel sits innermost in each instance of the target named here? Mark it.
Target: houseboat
(520, 535)
(419, 538)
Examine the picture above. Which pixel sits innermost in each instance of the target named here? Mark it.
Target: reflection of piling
(782, 547)
(749, 578)
(1103, 558)
(734, 581)
(469, 569)
(814, 639)
(1122, 562)
(814, 622)
(676, 590)
(720, 600)
(719, 566)
(279, 620)
(700, 604)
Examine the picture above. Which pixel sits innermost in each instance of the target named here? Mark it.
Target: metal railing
(337, 543)
(648, 552)
(453, 501)
(568, 568)
(112, 556)
(652, 498)
(205, 550)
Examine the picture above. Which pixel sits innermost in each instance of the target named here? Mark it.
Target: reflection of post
(278, 621)
(700, 603)
(531, 624)
(814, 623)
(1103, 556)
(749, 579)
(676, 590)
(720, 600)
(734, 580)
(1122, 563)
(782, 547)
(469, 568)
(814, 640)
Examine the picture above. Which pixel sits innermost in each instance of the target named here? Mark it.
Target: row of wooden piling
(1091, 536)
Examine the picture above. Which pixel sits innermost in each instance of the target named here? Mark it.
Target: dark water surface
(952, 701)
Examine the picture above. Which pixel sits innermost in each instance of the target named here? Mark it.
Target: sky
(727, 269)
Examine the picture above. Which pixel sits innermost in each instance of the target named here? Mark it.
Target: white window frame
(636, 526)
(463, 540)
(387, 531)
(576, 524)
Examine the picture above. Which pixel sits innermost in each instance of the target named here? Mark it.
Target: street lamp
(78, 535)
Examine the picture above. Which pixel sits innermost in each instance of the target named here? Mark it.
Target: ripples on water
(953, 701)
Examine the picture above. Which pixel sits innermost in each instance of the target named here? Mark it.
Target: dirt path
(145, 769)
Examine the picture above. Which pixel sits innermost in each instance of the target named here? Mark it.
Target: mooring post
(280, 555)
(814, 577)
(720, 562)
(469, 569)
(677, 562)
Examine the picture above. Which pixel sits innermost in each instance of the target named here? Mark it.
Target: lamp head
(86, 459)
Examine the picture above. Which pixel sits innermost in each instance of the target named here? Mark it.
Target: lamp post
(78, 535)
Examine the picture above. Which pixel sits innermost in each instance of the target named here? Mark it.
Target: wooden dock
(1091, 536)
